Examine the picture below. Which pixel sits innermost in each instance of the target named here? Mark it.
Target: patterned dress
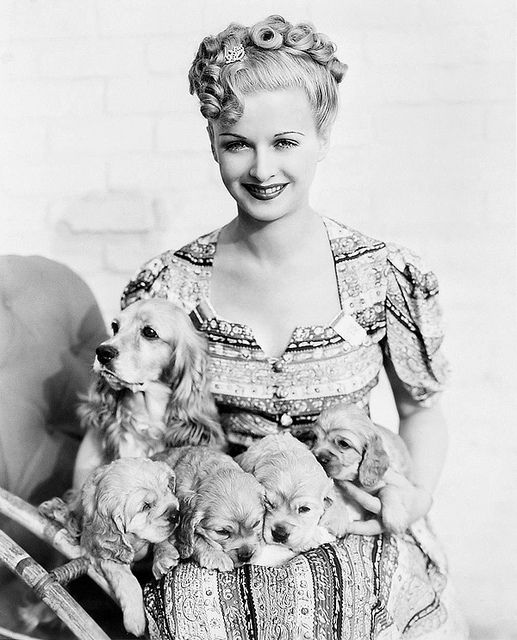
(362, 587)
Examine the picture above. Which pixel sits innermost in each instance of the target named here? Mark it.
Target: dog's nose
(245, 553)
(323, 457)
(106, 353)
(172, 515)
(279, 534)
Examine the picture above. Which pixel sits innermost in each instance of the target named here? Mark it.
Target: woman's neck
(273, 241)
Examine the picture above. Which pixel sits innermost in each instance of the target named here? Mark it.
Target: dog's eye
(256, 524)
(224, 533)
(149, 333)
(342, 443)
(307, 438)
(114, 327)
(146, 506)
(303, 509)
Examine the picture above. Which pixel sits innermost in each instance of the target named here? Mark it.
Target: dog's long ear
(191, 516)
(98, 411)
(191, 412)
(103, 532)
(374, 464)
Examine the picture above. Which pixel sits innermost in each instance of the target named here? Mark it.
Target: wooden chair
(50, 586)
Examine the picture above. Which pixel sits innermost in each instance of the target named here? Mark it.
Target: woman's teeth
(265, 193)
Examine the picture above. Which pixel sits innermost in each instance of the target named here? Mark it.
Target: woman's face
(268, 158)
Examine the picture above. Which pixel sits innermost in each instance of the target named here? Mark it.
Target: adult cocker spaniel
(151, 389)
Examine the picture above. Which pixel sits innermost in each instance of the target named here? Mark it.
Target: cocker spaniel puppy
(127, 506)
(151, 389)
(298, 492)
(350, 447)
(221, 507)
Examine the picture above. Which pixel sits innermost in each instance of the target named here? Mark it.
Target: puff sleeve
(414, 332)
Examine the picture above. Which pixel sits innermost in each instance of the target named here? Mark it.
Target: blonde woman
(302, 312)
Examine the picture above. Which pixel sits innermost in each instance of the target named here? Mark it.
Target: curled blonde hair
(277, 55)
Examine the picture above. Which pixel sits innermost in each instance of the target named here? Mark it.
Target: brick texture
(105, 162)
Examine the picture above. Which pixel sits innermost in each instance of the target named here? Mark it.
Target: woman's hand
(414, 501)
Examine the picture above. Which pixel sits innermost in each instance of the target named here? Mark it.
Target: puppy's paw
(335, 524)
(164, 559)
(216, 560)
(134, 620)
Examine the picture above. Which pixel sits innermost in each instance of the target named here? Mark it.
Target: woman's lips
(264, 192)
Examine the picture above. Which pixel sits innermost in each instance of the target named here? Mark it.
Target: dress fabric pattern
(389, 310)
(375, 588)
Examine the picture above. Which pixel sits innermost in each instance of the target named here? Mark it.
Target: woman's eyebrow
(235, 135)
(285, 133)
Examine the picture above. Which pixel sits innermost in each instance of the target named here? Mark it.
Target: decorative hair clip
(233, 54)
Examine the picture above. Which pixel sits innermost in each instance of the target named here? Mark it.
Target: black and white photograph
(258, 320)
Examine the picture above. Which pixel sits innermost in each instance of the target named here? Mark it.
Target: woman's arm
(424, 432)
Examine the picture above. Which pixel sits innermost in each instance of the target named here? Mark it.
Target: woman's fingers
(364, 499)
(365, 527)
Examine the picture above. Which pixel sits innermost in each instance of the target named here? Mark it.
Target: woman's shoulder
(349, 243)
(173, 273)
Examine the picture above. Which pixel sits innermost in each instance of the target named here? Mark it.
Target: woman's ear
(211, 135)
(324, 140)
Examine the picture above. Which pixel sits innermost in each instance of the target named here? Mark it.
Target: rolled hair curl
(278, 55)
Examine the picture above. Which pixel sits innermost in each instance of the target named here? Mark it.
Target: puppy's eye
(303, 509)
(114, 327)
(307, 438)
(149, 333)
(146, 506)
(256, 524)
(342, 443)
(224, 533)
(269, 505)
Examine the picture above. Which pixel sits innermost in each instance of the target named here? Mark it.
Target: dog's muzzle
(280, 534)
(106, 353)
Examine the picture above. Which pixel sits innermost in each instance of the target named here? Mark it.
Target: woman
(302, 312)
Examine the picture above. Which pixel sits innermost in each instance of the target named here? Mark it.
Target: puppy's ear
(191, 516)
(374, 464)
(103, 533)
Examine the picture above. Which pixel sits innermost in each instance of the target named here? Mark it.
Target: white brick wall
(104, 162)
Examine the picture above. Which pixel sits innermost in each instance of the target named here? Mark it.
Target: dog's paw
(216, 560)
(134, 620)
(164, 559)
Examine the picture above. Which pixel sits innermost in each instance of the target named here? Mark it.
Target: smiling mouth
(265, 193)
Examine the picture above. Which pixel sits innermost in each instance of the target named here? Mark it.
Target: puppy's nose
(106, 353)
(323, 457)
(279, 534)
(172, 515)
(245, 553)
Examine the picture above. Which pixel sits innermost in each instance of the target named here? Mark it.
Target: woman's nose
(263, 166)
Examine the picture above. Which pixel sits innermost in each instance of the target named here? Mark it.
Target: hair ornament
(234, 54)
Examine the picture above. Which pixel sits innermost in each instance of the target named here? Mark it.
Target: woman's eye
(303, 509)
(285, 144)
(149, 333)
(343, 444)
(114, 327)
(235, 146)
